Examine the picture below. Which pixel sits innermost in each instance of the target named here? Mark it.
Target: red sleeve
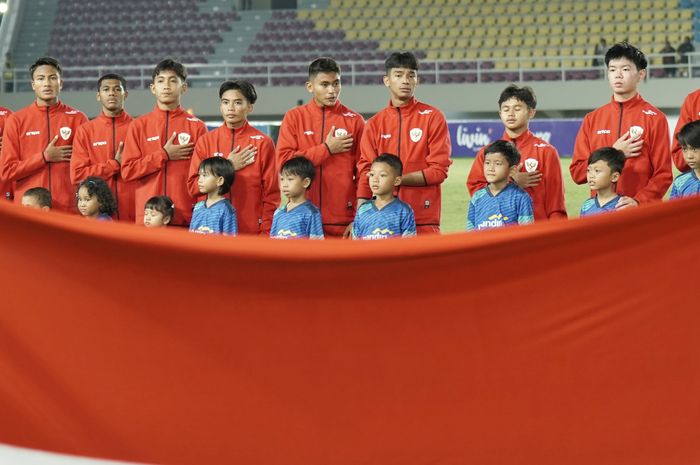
(476, 179)
(198, 156)
(368, 152)
(687, 115)
(135, 164)
(582, 150)
(554, 203)
(659, 156)
(80, 164)
(439, 150)
(288, 143)
(13, 165)
(270, 180)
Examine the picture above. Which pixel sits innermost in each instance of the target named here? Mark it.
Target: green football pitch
(455, 196)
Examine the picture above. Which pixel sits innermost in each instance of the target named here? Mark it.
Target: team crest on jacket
(416, 134)
(636, 132)
(531, 165)
(65, 132)
(183, 138)
(340, 132)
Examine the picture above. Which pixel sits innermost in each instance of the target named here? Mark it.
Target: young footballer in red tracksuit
(6, 191)
(328, 134)
(415, 132)
(159, 145)
(690, 111)
(632, 125)
(37, 140)
(255, 192)
(99, 145)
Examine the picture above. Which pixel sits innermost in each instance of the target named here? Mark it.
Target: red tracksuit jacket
(417, 133)
(548, 196)
(95, 146)
(145, 161)
(645, 178)
(255, 192)
(303, 132)
(26, 135)
(690, 111)
(6, 191)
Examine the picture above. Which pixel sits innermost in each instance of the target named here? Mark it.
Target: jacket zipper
(320, 167)
(165, 178)
(114, 155)
(233, 145)
(48, 137)
(398, 150)
(619, 127)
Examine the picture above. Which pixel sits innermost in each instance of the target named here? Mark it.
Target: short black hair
(625, 50)
(244, 87)
(323, 65)
(400, 60)
(45, 61)
(115, 76)
(97, 187)
(41, 195)
(614, 158)
(525, 94)
(170, 65)
(161, 203)
(220, 166)
(299, 166)
(505, 148)
(689, 136)
(392, 160)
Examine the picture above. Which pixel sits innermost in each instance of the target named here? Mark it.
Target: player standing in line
(37, 140)
(690, 111)
(159, 145)
(539, 172)
(632, 125)
(328, 134)
(416, 133)
(99, 145)
(6, 191)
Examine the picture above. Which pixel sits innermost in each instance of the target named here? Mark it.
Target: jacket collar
(176, 112)
(637, 100)
(520, 140)
(123, 117)
(52, 109)
(316, 109)
(408, 107)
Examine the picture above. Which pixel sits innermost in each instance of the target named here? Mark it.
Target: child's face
(382, 179)
(152, 218)
(32, 202)
(401, 82)
(624, 77)
(168, 87)
(515, 114)
(600, 176)
(692, 157)
(208, 182)
(496, 168)
(325, 88)
(87, 204)
(293, 186)
(234, 108)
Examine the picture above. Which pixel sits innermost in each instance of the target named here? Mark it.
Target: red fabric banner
(570, 342)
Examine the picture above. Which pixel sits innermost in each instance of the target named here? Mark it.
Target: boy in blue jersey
(215, 215)
(604, 169)
(500, 203)
(688, 183)
(299, 219)
(385, 216)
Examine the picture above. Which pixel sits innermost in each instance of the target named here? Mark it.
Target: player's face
(496, 167)
(168, 88)
(325, 88)
(87, 204)
(112, 95)
(209, 182)
(600, 176)
(293, 186)
(402, 83)
(382, 179)
(692, 157)
(515, 114)
(624, 77)
(47, 84)
(152, 218)
(234, 108)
